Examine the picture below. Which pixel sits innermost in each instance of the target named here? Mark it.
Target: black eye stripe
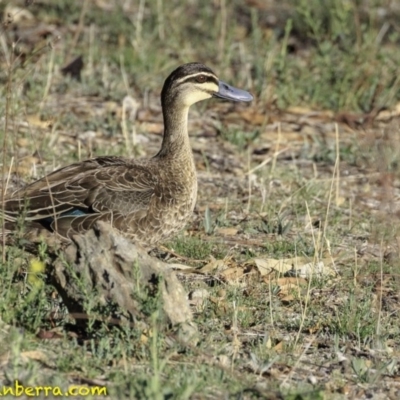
(195, 79)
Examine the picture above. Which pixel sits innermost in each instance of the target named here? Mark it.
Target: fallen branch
(119, 272)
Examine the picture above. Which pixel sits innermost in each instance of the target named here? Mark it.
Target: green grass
(337, 55)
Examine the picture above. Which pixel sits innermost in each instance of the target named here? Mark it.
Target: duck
(145, 200)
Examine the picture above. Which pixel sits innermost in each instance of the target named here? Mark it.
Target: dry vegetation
(292, 256)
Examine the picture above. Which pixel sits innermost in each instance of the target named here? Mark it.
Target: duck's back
(144, 200)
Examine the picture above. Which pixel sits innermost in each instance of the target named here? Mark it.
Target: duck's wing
(85, 192)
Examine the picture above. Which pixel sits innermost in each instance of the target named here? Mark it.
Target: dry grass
(309, 171)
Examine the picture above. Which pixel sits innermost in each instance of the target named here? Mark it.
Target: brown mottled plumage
(146, 200)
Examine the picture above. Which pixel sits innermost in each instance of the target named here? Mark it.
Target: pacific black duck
(146, 200)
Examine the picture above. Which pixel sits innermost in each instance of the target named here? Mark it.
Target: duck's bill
(229, 92)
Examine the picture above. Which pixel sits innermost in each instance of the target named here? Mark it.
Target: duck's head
(194, 82)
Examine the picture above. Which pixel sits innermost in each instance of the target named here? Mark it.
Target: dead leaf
(267, 265)
(321, 268)
(227, 231)
(144, 339)
(300, 266)
(220, 302)
(289, 287)
(314, 329)
(327, 114)
(253, 117)
(279, 347)
(340, 201)
(389, 114)
(213, 265)
(23, 142)
(35, 355)
(26, 166)
(36, 120)
(232, 274)
(152, 127)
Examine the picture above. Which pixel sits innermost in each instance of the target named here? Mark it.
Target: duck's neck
(175, 142)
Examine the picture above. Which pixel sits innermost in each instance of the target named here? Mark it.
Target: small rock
(312, 379)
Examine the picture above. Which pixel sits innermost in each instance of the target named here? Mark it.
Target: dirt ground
(291, 259)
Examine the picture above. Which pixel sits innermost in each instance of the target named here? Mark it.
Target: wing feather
(101, 185)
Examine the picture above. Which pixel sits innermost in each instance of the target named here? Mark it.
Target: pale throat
(176, 137)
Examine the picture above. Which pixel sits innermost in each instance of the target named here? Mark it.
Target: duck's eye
(201, 78)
